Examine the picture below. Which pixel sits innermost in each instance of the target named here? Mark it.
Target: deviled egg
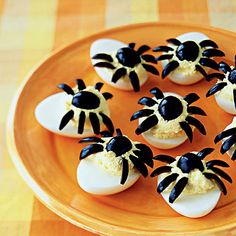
(120, 65)
(112, 164)
(188, 57)
(228, 138)
(167, 119)
(189, 184)
(225, 88)
(76, 112)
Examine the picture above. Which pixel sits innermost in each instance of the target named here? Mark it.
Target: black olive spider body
(88, 103)
(169, 108)
(124, 149)
(228, 137)
(226, 80)
(198, 53)
(125, 62)
(178, 171)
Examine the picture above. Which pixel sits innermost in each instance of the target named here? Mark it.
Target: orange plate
(48, 162)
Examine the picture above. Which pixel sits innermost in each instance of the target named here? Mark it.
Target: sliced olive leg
(139, 165)
(90, 149)
(177, 189)
(65, 119)
(125, 171)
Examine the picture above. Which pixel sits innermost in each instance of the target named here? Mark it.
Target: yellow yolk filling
(110, 163)
(197, 182)
(186, 68)
(139, 69)
(169, 129)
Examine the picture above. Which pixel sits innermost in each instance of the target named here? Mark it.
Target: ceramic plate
(48, 162)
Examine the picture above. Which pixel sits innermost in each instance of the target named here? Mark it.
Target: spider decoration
(125, 62)
(199, 53)
(226, 79)
(124, 148)
(185, 164)
(169, 108)
(229, 140)
(88, 102)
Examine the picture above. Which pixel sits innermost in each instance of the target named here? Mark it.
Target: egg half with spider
(112, 164)
(167, 120)
(189, 184)
(228, 138)
(225, 88)
(188, 57)
(76, 112)
(121, 65)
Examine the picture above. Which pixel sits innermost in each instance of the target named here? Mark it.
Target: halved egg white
(164, 143)
(178, 77)
(225, 104)
(193, 205)
(93, 179)
(49, 113)
(109, 46)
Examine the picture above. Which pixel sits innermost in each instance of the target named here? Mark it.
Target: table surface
(30, 30)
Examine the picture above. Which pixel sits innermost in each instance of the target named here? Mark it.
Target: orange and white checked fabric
(31, 29)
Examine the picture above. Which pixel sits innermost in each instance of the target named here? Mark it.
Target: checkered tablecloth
(31, 29)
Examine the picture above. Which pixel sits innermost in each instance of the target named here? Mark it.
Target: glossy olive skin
(232, 76)
(86, 100)
(128, 57)
(188, 50)
(170, 108)
(189, 162)
(119, 145)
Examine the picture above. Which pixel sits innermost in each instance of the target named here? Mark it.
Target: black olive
(232, 76)
(86, 100)
(189, 162)
(188, 50)
(119, 145)
(128, 57)
(170, 108)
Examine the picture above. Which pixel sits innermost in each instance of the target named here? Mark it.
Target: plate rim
(49, 200)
